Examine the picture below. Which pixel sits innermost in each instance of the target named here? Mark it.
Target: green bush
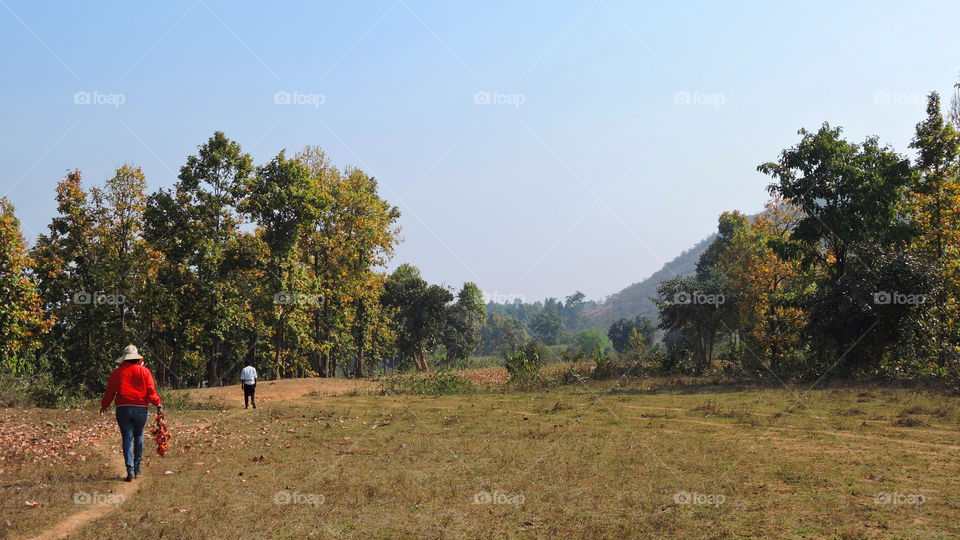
(13, 393)
(606, 366)
(523, 367)
(574, 374)
(434, 384)
(36, 390)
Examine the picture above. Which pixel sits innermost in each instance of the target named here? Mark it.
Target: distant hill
(635, 299)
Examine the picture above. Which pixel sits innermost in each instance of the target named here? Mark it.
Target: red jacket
(132, 384)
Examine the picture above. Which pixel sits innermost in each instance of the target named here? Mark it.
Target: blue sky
(535, 148)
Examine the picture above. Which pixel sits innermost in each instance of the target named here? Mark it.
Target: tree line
(852, 269)
(279, 264)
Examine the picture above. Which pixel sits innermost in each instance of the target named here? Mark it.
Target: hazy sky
(535, 148)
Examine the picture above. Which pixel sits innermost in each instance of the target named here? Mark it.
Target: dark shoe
(129, 477)
(247, 406)
(137, 473)
(254, 405)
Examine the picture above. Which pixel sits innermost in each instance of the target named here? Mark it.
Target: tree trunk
(321, 364)
(212, 363)
(175, 369)
(277, 340)
(420, 359)
(358, 372)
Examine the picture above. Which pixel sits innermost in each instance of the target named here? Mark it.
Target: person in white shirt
(248, 379)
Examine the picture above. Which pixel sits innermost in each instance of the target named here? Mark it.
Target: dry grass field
(641, 458)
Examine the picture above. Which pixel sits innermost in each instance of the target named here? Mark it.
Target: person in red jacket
(131, 384)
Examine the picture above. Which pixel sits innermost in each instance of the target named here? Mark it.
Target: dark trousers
(131, 421)
(248, 393)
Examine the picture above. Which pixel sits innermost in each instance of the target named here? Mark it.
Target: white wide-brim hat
(129, 353)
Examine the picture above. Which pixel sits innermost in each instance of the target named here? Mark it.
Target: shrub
(605, 366)
(523, 367)
(38, 390)
(574, 374)
(572, 354)
(12, 393)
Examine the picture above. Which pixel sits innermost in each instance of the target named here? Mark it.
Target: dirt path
(287, 389)
(75, 522)
(283, 390)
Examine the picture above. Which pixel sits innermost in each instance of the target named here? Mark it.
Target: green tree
(851, 197)
(172, 324)
(546, 327)
(933, 208)
(351, 238)
(213, 182)
(770, 290)
(22, 321)
(421, 313)
(623, 332)
(573, 310)
(465, 320)
(72, 279)
(285, 202)
(592, 340)
(503, 334)
(695, 306)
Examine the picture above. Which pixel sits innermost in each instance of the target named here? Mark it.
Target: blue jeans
(131, 421)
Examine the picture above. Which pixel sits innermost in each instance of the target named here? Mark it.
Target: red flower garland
(160, 434)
